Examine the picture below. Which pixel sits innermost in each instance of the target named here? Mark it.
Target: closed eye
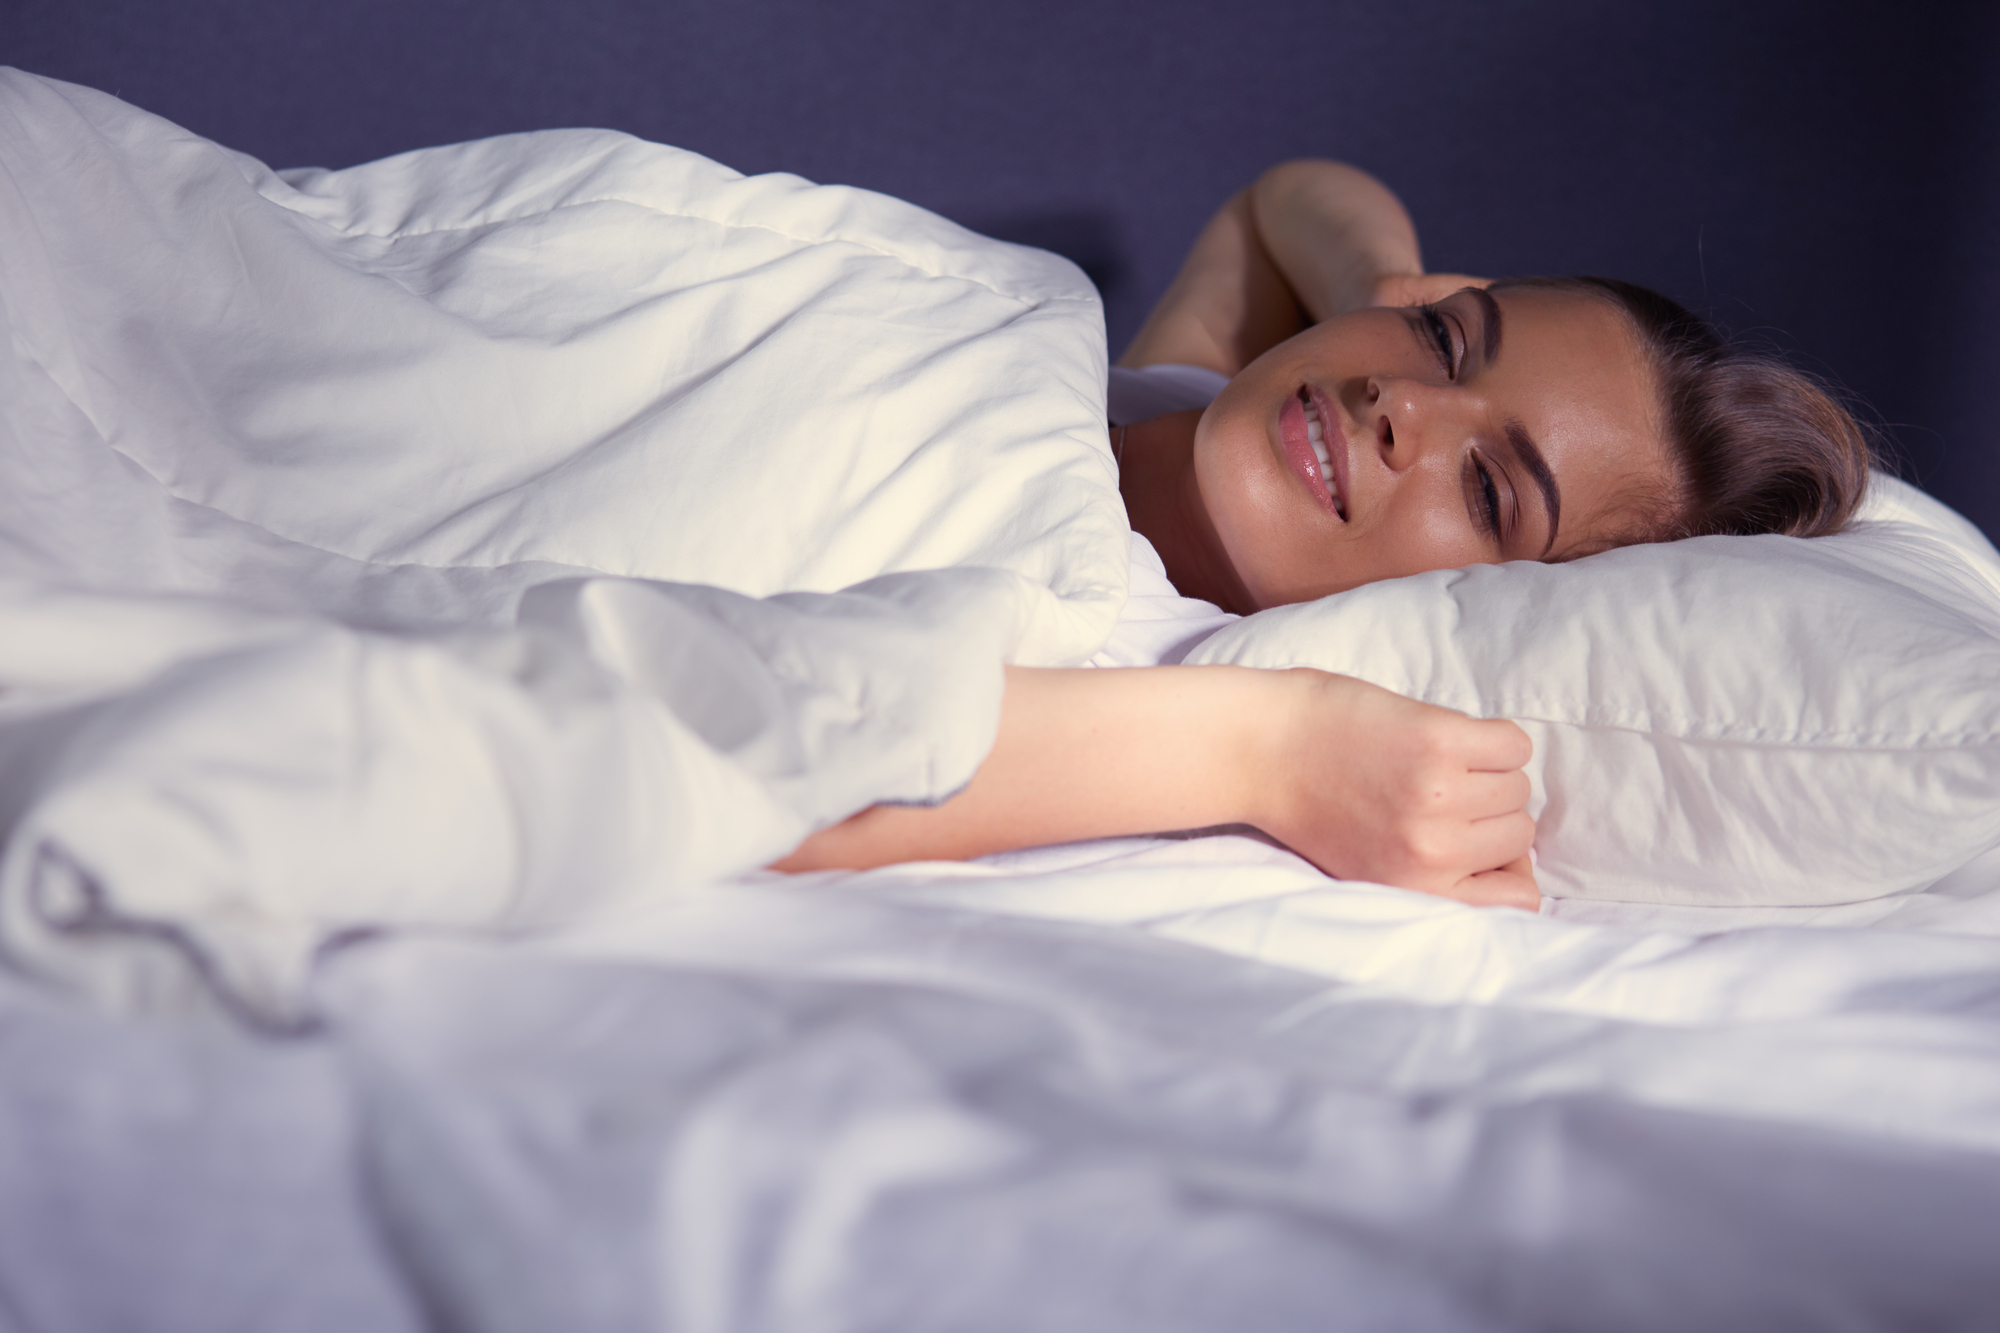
(1439, 330)
(1489, 497)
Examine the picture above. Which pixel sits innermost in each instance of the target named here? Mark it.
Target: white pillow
(1728, 720)
(405, 392)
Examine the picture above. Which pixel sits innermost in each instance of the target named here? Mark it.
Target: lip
(1299, 451)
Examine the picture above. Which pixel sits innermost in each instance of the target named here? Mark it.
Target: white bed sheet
(1170, 1084)
(1012, 1092)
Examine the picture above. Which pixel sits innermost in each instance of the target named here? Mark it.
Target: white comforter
(351, 724)
(311, 488)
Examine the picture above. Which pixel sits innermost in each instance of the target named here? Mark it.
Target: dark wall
(1824, 177)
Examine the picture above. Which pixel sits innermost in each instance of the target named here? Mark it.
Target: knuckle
(1428, 745)
(1425, 851)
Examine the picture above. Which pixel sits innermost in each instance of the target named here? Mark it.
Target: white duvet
(358, 671)
(310, 485)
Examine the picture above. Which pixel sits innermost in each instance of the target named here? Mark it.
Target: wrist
(1262, 746)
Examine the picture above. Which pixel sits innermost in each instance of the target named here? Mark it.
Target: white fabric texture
(1181, 1085)
(203, 798)
(404, 392)
(1158, 626)
(309, 485)
(1725, 721)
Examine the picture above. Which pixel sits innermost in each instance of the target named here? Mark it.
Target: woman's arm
(1364, 783)
(1308, 240)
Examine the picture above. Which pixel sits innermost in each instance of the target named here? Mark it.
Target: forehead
(1575, 374)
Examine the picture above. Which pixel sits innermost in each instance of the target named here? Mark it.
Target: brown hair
(1761, 447)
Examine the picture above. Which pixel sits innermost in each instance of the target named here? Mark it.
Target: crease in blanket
(198, 839)
(362, 533)
(401, 393)
(159, 954)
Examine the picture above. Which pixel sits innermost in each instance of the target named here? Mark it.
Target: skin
(1312, 278)
(1434, 478)
(1088, 754)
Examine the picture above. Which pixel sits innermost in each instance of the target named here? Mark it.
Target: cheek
(1276, 541)
(1241, 489)
(1427, 529)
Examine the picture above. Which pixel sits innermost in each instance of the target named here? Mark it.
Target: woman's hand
(1370, 785)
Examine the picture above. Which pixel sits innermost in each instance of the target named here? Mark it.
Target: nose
(1408, 418)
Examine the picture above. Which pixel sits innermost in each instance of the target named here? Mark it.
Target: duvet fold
(457, 541)
(261, 787)
(404, 393)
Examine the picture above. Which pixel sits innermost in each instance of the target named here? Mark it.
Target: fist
(1372, 785)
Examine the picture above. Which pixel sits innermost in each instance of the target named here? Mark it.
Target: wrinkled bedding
(1177, 1085)
(324, 498)
(394, 723)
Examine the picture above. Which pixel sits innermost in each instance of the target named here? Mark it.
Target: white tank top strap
(1154, 391)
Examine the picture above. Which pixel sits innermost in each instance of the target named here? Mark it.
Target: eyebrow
(1517, 434)
(1545, 480)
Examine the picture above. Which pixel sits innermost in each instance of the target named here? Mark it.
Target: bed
(405, 677)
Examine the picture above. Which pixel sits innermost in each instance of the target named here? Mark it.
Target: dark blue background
(1822, 177)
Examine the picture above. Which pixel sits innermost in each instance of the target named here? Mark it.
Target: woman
(1377, 421)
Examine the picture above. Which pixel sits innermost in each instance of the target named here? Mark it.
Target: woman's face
(1514, 425)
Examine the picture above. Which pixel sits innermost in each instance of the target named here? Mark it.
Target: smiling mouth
(1316, 436)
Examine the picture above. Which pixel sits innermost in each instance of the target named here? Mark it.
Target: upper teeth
(1317, 435)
